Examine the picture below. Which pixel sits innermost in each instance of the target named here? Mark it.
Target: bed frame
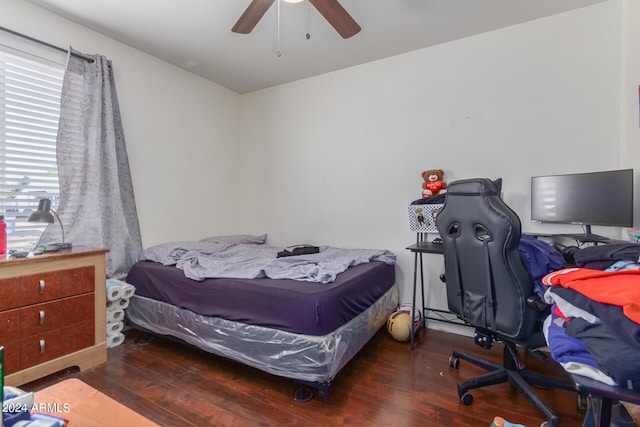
(310, 361)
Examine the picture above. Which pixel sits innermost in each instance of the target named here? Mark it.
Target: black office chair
(488, 287)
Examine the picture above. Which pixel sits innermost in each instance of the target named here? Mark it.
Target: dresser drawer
(40, 348)
(39, 288)
(39, 318)
(77, 281)
(9, 325)
(78, 336)
(77, 309)
(9, 293)
(11, 357)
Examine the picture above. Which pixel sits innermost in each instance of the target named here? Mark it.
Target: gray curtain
(97, 204)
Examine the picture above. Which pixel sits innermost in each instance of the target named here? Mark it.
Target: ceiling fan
(332, 11)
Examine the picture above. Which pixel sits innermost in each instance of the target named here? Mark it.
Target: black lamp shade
(43, 214)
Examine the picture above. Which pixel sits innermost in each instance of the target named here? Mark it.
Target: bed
(293, 317)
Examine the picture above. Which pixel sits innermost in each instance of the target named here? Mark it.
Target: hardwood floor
(386, 384)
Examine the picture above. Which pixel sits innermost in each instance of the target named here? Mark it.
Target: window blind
(30, 90)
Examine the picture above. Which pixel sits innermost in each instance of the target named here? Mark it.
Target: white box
(422, 218)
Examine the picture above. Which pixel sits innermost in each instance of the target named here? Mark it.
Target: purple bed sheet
(294, 306)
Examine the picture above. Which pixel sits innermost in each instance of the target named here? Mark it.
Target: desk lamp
(44, 214)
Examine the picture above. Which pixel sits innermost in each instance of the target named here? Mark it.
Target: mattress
(282, 304)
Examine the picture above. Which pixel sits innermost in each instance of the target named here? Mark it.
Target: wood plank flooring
(386, 384)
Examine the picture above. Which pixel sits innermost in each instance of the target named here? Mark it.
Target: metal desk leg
(423, 320)
(413, 307)
(603, 418)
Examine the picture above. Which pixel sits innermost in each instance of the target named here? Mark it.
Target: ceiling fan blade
(337, 16)
(252, 14)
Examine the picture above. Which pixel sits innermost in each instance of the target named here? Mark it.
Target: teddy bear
(433, 183)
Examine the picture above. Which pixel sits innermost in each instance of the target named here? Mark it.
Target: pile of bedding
(250, 259)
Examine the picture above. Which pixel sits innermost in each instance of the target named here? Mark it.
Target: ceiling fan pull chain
(308, 35)
(278, 53)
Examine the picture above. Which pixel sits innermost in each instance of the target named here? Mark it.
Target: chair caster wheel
(454, 362)
(466, 398)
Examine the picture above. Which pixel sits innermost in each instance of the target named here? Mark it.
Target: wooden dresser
(52, 313)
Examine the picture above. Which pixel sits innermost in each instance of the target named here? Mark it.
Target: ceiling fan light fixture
(293, 1)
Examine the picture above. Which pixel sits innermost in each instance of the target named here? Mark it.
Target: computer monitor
(594, 198)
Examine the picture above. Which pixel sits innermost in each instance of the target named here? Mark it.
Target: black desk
(603, 397)
(579, 238)
(426, 248)
(419, 248)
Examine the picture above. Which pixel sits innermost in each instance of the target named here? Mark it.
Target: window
(30, 90)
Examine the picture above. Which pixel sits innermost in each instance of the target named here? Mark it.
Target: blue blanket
(202, 260)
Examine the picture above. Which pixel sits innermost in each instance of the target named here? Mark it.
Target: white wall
(182, 132)
(630, 87)
(335, 159)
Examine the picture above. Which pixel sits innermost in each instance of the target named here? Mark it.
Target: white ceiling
(196, 34)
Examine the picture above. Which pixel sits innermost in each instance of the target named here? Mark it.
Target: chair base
(512, 371)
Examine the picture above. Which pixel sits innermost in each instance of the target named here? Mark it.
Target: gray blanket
(202, 260)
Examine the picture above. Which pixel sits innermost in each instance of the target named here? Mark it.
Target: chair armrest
(535, 302)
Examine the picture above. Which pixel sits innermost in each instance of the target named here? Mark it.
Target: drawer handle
(41, 346)
(42, 317)
(41, 287)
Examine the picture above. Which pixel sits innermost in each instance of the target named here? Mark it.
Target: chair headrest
(472, 187)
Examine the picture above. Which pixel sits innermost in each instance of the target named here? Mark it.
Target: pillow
(237, 239)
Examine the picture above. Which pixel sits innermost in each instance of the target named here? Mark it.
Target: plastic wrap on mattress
(300, 357)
